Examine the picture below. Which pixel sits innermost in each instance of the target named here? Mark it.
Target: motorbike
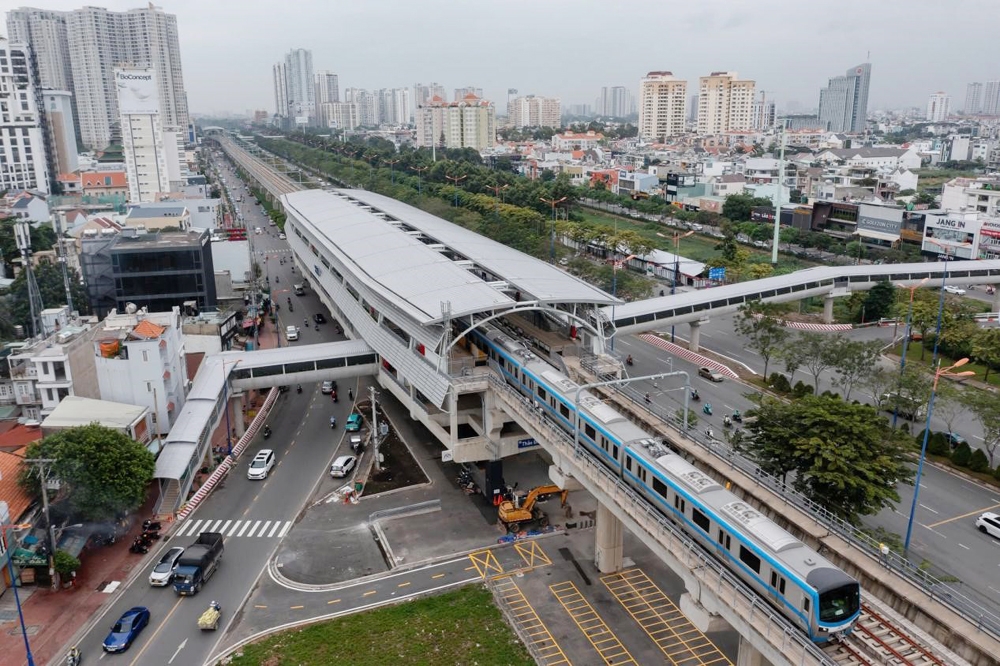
(73, 657)
(151, 525)
(333, 422)
(317, 327)
(695, 396)
(340, 331)
(277, 279)
(267, 432)
(290, 308)
(138, 547)
(150, 536)
(737, 416)
(209, 620)
(707, 409)
(298, 389)
(333, 394)
(727, 422)
(628, 361)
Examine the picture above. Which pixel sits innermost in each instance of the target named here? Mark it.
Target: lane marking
(369, 593)
(438, 576)
(246, 511)
(245, 526)
(964, 515)
(274, 529)
(156, 633)
(933, 530)
(226, 526)
(259, 606)
(235, 527)
(284, 530)
(296, 607)
(964, 546)
(403, 584)
(264, 529)
(334, 601)
(253, 529)
(930, 509)
(215, 527)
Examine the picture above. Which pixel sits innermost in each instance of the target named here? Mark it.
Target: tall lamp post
(420, 178)
(13, 583)
(552, 241)
(392, 166)
(906, 345)
(456, 180)
(497, 189)
(677, 268)
(940, 372)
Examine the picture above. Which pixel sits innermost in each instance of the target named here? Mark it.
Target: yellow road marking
(605, 642)
(296, 607)
(532, 554)
(964, 515)
(259, 606)
(335, 601)
(369, 593)
(246, 511)
(438, 576)
(156, 633)
(538, 635)
(486, 563)
(402, 585)
(469, 568)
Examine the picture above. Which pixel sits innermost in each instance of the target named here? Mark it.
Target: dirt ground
(399, 469)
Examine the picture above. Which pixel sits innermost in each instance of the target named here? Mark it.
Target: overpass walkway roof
(418, 260)
(694, 305)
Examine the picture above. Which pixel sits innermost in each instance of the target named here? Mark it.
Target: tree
(106, 473)
(854, 361)
(43, 238)
(759, 323)
(986, 349)
(842, 454)
(737, 207)
(949, 403)
(816, 353)
(985, 407)
(65, 564)
(924, 317)
(879, 301)
(880, 382)
(53, 292)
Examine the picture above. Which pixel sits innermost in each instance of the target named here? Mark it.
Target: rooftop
(154, 210)
(18, 500)
(75, 411)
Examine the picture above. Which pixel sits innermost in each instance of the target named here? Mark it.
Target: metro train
(802, 585)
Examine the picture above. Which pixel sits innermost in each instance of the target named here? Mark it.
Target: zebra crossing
(236, 528)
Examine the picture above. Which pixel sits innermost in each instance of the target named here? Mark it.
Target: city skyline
(222, 75)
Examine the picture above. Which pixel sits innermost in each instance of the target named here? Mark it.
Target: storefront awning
(878, 235)
(28, 558)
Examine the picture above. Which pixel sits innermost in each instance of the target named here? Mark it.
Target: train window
(679, 503)
(748, 558)
(614, 451)
(628, 463)
(805, 604)
(564, 410)
(659, 486)
(700, 519)
(781, 585)
(541, 393)
(604, 443)
(724, 540)
(774, 579)
(589, 430)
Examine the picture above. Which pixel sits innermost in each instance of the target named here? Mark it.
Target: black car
(319, 318)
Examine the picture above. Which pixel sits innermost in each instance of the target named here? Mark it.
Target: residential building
(732, 183)
(202, 213)
(724, 103)
(979, 195)
(26, 206)
(60, 131)
(300, 86)
(692, 112)
(104, 183)
(126, 417)
(425, 93)
(803, 122)
(991, 98)
(327, 87)
(843, 104)
(140, 360)
(142, 134)
(158, 216)
(661, 106)
(616, 102)
(873, 158)
(157, 270)
(938, 107)
(22, 141)
(460, 93)
(93, 41)
(470, 123)
(392, 106)
(534, 111)
(367, 106)
(577, 140)
(973, 99)
(280, 80)
(762, 113)
(339, 115)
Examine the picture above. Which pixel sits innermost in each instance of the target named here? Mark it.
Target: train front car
(839, 603)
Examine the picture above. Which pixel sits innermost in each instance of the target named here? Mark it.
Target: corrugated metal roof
(74, 410)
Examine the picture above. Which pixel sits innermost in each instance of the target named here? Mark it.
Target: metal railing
(730, 591)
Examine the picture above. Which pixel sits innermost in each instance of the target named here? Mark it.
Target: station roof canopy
(419, 260)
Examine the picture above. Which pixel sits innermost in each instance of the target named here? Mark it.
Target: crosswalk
(236, 528)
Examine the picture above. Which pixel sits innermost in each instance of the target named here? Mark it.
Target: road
(260, 511)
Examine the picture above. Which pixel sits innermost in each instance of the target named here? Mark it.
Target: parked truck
(197, 564)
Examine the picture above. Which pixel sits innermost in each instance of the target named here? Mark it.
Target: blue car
(126, 629)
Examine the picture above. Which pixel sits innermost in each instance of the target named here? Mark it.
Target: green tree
(65, 563)
(53, 292)
(737, 207)
(962, 455)
(985, 407)
(949, 403)
(986, 349)
(106, 473)
(924, 317)
(842, 454)
(818, 353)
(855, 360)
(758, 322)
(879, 301)
(43, 238)
(880, 382)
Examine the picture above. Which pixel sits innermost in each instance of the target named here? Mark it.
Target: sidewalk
(54, 618)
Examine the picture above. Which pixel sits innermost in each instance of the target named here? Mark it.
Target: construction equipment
(520, 512)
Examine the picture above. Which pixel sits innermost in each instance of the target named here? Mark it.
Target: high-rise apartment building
(534, 111)
(938, 107)
(61, 132)
(327, 87)
(339, 115)
(23, 162)
(460, 93)
(470, 123)
(142, 134)
(300, 86)
(762, 115)
(393, 106)
(425, 93)
(661, 106)
(991, 98)
(616, 102)
(843, 104)
(973, 99)
(280, 89)
(93, 41)
(724, 103)
(367, 106)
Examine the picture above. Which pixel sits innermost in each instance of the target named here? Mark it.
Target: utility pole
(778, 195)
(22, 237)
(41, 464)
(64, 261)
(375, 438)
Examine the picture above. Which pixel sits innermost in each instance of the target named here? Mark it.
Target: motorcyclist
(695, 395)
(707, 408)
(215, 605)
(628, 360)
(647, 399)
(727, 421)
(73, 657)
(333, 421)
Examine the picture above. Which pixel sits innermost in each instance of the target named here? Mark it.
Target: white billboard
(136, 91)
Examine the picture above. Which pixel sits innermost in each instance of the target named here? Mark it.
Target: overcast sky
(570, 48)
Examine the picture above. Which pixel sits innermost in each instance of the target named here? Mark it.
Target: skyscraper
(93, 41)
(460, 93)
(616, 102)
(843, 104)
(393, 106)
(327, 87)
(22, 145)
(142, 134)
(973, 99)
(300, 86)
(534, 111)
(938, 107)
(280, 90)
(763, 114)
(662, 99)
(724, 103)
(425, 93)
(61, 144)
(991, 98)
(470, 123)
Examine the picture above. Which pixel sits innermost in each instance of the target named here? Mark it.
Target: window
(724, 540)
(628, 459)
(805, 604)
(149, 385)
(589, 430)
(679, 503)
(749, 559)
(659, 487)
(564, 410)
(541, 393)
(145, 356)
(700, 519)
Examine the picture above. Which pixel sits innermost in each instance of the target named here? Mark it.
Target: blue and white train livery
(801, 584)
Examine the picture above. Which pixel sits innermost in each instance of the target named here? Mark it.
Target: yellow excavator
(520, 513)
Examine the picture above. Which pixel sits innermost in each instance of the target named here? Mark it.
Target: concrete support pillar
(694, 343)
(453, 419)
(236, 414)
(828, 309)
(748, 655)
(705, 620)
(609, 550)
(996, 299)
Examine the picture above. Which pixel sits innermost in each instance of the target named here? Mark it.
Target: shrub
(996, 473)
(978, 461)
(962, 455)
(920, 438)
(905, 428)
(65, 563)
(779, 382)
(802, 389)
(829, 394)
(938, 444)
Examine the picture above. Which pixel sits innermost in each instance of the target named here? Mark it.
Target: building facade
(339, 115)
(64, 155)
(616, 101)
(470, 123)
(142, 134)
(23, 159)
(724, 103)
(460, 93)
(972, 195)
(327, 87)
(300, 86)
(991, 98)
(843, 104)
(938, 107)
(973, 99)
(661, 106)
(423, 93)
(534, 111)
(392, 106)
(280, 89)
(763, 114)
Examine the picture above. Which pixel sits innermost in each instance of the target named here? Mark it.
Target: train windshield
(839, 604)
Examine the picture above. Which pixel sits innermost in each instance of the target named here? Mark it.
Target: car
(709, 374)
(905, 406)
(954, 439)
(261, 465)
(356, 443)
(163, 573)
(329, 386)
(951, 289)
(989, 523)
(257, 230)
(292, 333)
(319, 318)
(353, 423)
(342, 466)
(125, 630)
(281, 236)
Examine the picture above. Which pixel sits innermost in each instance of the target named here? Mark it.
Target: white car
(342, 466)
(958, 291)
(281, 236)
(292, 333)
(163, 572)
(261, 465)
(989, 523)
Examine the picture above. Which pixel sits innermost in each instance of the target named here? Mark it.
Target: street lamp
(420, 178)
(392, 164)
(677, 268)
(906, 344)
(940, 372)
(552, 244)
(17, 599)
(497, 189)
(456, 180)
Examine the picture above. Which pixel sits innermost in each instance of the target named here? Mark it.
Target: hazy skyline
(570, 49)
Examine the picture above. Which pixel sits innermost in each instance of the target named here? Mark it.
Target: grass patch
(459, 627)
(936, 178)
(913, 356)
